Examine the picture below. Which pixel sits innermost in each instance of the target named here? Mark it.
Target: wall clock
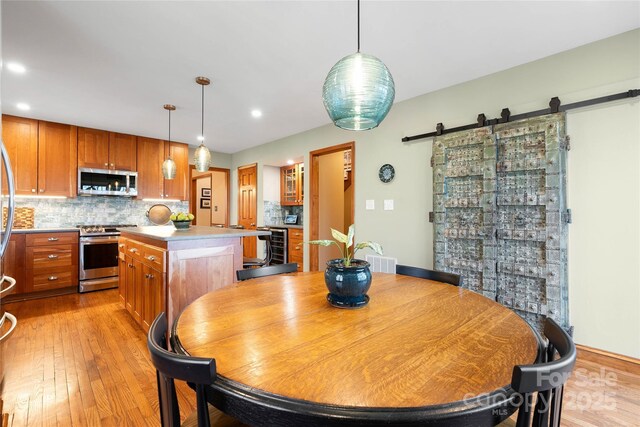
(386, 173)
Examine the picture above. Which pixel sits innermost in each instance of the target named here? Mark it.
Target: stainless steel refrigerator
(8, 321)
(7, 284)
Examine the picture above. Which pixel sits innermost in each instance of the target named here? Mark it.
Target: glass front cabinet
(292, 185)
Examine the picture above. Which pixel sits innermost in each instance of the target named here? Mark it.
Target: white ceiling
(112, 65)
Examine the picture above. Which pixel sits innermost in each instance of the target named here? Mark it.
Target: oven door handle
(98, 241)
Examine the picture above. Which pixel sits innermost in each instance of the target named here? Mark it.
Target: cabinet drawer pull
(52, 256)
(151, 258)
(133, 250)
(52, 278)
(130, 265)
(121, 245)
(148, 276)
(53, 239)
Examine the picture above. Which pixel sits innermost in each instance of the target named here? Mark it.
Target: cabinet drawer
(295, 233)
(58, 278)
(154, 257)
(44, 239)
(134, 249)
(47, 257)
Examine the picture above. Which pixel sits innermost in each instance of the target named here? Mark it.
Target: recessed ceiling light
(256, 113)
(22, 106)
(15, 67)
(289, 162)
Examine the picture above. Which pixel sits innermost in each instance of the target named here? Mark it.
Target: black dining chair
(252, 273)
(547, 379)
(196, 370)
(260, 262)
(423, 273)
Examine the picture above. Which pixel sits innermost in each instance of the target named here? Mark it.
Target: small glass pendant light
(359, 90)
(169, 166)
(202, 155)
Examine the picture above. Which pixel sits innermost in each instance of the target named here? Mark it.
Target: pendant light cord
(358, 26)
(202, 122)
(169, 110)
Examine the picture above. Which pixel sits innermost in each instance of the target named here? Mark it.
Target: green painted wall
(605, 146)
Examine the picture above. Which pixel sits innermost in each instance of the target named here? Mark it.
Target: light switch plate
(370, 205)
(388, 205)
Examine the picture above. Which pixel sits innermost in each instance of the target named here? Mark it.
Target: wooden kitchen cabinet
(51, 261)
(122, 272)
(292, 185)
(100, 149)
(57, 159)
(153, 282)
(43, 156)
(20, 137)
(151, 183)
(13, 262)
(142, 280)
(177, 188)
(93, 148)
(296, 247)
(123, 152)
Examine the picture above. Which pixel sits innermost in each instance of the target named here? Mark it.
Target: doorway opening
(332, 185)
(209, 201)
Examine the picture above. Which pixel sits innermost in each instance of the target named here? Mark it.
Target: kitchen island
(164, 269)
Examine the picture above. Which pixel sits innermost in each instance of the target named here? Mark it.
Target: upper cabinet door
(21, 141)
(122, 152)
(177, 188)
(291, 182)
(57, 159)
(150, 180)
(93, 148)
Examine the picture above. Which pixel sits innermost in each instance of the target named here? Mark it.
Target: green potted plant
(348, 279)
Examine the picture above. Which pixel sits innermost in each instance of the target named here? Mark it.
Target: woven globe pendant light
(358, 91)
(169, 166)
(202, 155)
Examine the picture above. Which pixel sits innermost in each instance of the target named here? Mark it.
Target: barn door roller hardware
(505, 116)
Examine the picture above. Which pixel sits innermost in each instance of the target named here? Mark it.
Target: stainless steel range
(99, 256)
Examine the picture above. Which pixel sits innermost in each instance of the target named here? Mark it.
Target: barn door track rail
(505, 116)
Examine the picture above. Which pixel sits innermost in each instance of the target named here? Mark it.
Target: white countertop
(169, 233)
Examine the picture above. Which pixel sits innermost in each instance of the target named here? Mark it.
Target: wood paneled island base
(163, 269)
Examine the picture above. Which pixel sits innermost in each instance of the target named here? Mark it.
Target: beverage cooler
(7, 284)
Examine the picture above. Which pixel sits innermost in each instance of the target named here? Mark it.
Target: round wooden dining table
(420, 353)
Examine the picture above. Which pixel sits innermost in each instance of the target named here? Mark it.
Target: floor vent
(382, 264)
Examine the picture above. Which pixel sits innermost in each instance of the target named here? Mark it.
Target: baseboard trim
(605, 353)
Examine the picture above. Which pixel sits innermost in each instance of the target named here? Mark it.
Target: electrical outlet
(388, 205)
(370, 205)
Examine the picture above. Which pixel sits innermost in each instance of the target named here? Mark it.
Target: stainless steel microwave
(105, 182)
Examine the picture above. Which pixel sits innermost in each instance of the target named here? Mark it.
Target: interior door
(247, 210)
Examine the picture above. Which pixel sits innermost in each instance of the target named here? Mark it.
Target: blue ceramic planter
(348, 286)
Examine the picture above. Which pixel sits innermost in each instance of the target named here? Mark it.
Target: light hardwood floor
(79, 360)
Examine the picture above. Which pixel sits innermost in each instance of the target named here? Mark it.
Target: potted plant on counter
(348, 279)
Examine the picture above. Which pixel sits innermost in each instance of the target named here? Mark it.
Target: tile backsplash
(53, 213)
(274, 213)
